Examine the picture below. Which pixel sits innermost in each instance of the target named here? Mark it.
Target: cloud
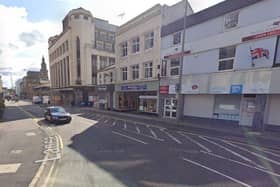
(23, 42)
(30, 38)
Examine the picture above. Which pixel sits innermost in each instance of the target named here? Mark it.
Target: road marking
(129, 137)
(114, 123)
(159, 139)
(253, 153)
(152, 132)
(231, 151)
(217, 172)
(30, 134)
(241, 163)
(138, 130)
(171, 136)
(195, 142)
(105, 121)
(9, 168)
(18, 151)
(124, 126)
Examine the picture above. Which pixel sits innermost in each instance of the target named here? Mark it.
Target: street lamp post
(180, 97)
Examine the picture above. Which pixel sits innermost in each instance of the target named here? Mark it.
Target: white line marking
(241, 163)
(159, 139)
(138, 130)
(253, 153)
(153, 133)
(106, 121)
(30, 134)
(18, 151)
(124, 126)
(114, 123)
(131, 138)
(172, 137)
(9, 168)
(231, 151)
(195, 142)
(217, 172)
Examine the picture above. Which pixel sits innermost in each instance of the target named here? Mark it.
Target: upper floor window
(231, 20)
(109, 46)
(124, 73)
(100, 45)
(148, 70)
(174, 66)
(226, 57)
(103, 35)
(176, 38)
(67, 45)
(103, 62)
(86, 17)
(112, 61)
(100, 79)
(136, 45)
(76, 16)
(124, 49)
(111, 76)
(135, 72)
(149, 40)
(111, 37)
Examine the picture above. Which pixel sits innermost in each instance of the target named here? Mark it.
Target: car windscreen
(57, 110)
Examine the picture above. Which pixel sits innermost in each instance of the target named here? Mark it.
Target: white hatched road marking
(18, 151)
(106, 121)
(114, 123)
(30, 134)
(241, 163)
(231, 151)
(124, 126)
(195, 142)
(9, 168)
(158, 139)
(137, 129)
(217, 172)
(171, 136)
(152, 132)
(129, 137)
(253, 153)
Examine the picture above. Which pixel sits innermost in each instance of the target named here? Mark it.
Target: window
(164, 68)
(177, 38)
(105, 78)
(111, 37)
(226, 57)
(103, 62)
(124, 73)
(77, 16)
(148, 70)
(100, 45)
(78, 55)
(149, 40)
(111, 76)
(103, 35)
(109, 46)
(174, 66)
(67, 45)
(85, 17)
(135, 72)
(111, 61)
(231, 20)
(63, 48)
(136, 45)
(100, 79)
(124, 49)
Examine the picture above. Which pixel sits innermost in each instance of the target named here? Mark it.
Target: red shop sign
(261, 35)
(164, 89)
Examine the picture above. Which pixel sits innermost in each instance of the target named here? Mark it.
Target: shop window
(124, 49)
(135, 72)
(231, 20)
(226, 58)
(149, 40)
(227, 107)
(174, 66)
(177, 38)
(148, 70)
(148, 104)
(136, 45)
(124, 73)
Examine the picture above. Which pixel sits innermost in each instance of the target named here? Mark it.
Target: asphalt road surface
(102, 150)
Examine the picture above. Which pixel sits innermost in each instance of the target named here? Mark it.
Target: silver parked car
(57, 114)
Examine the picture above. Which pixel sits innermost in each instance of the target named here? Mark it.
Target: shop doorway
(170, 108)
(248, 108)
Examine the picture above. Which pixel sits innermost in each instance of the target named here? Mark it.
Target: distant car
(57, 114)
(36, 100)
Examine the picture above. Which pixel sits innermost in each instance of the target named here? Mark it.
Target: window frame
(224, 59)
(180, 38)
(228, 24)
(124, 73)
(124, 49)
(135, 45)
(172, 67)
(148, 70)
(149, 37)
(135, 72)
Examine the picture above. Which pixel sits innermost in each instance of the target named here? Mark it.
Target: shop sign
(164, 89)
(236, 89)
(134, 87)
(177, 55)
(261, 35)
(219, 90)
(193, 88)
(102, 88)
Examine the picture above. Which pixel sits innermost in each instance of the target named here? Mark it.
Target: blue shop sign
(134, 87)
(236, 89)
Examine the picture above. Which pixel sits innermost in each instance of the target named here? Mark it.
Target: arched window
(78, 54)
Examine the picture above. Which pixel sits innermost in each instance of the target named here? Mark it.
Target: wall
(199, 105)
(273, 110)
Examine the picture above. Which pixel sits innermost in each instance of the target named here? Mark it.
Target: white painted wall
(273, 111)
(199, 105)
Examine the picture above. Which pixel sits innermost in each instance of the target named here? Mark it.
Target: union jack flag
(259, 53)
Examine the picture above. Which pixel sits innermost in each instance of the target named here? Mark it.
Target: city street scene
(153, 93)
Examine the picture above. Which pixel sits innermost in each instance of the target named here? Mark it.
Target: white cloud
(22, 43)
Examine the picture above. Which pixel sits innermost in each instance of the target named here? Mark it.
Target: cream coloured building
(138, 58)
(84, 43)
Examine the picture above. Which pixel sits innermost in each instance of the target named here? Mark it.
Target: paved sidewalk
(266, 138)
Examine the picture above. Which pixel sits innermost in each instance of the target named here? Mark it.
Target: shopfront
(140, 97)
(104, 99)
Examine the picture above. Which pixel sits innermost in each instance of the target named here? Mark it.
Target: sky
(26, 26)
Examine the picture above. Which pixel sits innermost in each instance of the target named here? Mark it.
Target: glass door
(170, 108)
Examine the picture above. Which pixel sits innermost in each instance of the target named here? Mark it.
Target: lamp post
(180, 97)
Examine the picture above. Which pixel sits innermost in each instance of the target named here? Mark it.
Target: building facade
(138, 58)
(74, 55)
(231, 64)
(31, 80)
